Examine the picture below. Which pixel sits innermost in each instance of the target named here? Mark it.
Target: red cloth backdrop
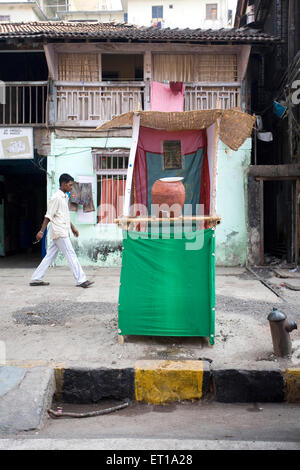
(151, 140)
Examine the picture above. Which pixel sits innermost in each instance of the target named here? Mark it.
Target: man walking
(58, 215)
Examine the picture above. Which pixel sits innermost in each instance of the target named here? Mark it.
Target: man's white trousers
(65, 246)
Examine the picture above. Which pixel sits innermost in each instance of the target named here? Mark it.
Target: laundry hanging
(81, 194)
(165, 98)
(176, 87)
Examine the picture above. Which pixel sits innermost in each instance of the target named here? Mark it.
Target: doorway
(23, 188)
(280, 220)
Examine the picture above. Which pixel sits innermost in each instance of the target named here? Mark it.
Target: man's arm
(74, 230)
(51, 210)
(40, 233)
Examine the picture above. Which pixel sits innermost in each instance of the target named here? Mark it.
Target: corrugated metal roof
(123, 31)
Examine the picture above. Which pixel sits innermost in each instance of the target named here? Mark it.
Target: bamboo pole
(135, 136)
(193, 218)
(214, 169)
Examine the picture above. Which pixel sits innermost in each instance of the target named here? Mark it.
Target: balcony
(25, 104)
(88, 105)
(102, 101)
(97, 102)
(53, 8)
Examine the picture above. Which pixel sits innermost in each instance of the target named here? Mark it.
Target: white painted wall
(104, 17)
(18, 11)
(101, 10)
(184, 14)
(93, 5)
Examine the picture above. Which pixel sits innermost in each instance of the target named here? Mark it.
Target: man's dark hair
(65, 178)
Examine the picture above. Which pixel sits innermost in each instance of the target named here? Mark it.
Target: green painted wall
(102, 245)
(232, 204)
(97, 244)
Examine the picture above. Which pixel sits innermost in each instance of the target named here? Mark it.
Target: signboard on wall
(16, 143)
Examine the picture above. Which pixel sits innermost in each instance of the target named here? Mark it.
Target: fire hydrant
(280, 329)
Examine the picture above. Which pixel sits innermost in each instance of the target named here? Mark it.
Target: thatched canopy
(235, 126)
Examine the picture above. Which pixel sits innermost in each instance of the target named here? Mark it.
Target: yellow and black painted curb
(292, 383)
(160, 382)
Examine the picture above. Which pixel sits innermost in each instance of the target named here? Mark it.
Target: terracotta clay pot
(168, 191)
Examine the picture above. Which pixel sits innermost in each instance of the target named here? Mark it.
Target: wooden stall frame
(124, 222)
(131, 160)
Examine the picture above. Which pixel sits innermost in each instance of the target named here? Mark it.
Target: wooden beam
(136, 48)
(147, 79)
(297, 228)
(66, 132)
(276, 178)
(51, 59)
(190, 218)
(243, 61)
(273, 171)
(262, 238)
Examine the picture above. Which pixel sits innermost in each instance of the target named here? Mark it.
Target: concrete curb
(26, 393)
(25, 398)
(161, 382)
(148, 381)
(244, 386)
(85, 385)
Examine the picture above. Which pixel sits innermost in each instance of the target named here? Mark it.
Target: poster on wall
(87, 217)
(16, 143)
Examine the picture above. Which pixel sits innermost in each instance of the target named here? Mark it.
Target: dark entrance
(279, 219)
(23, 186)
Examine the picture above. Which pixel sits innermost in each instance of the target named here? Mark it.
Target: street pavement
(52, 335)
(144, 444)
(198, 425)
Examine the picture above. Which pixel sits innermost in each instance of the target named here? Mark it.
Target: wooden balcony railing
(210, 96)
(97, 102)
(25, 104)
(102, 101)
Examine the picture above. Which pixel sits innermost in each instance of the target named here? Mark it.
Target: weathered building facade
(64, 79)
(274, 78)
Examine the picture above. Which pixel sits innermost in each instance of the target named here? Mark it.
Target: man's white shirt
(59, 216)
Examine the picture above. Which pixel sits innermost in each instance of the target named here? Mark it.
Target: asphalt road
(190, 426)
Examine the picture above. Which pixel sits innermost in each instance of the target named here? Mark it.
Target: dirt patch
(58, 313)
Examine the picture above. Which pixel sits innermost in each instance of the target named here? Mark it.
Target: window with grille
(211, 11)
(111, 169)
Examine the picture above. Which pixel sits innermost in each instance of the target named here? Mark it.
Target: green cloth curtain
(168, 284)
